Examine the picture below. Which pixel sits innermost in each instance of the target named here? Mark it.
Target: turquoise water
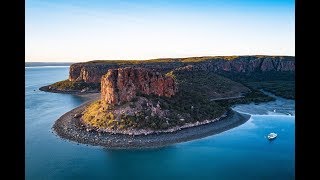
(240, 153)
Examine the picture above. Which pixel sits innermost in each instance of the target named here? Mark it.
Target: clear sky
(82, 30)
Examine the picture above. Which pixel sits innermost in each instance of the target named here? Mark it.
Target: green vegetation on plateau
(163, 60)
(279, 83)
(285, 89)
(177, 60)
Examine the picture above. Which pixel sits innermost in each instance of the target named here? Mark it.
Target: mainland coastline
(70, 128)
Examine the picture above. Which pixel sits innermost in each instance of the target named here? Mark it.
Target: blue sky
(78, 30)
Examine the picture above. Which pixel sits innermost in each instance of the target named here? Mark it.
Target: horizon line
(156, 58)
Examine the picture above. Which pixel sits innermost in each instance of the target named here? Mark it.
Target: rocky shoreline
(69, 127)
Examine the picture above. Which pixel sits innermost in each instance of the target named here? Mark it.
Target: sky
(83, 30)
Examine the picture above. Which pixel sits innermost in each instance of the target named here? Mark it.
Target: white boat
(272, 136)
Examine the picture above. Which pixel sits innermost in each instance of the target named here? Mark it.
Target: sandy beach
(70, 128)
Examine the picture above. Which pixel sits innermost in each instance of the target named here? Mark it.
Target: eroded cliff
(123, 84)
(91, 72)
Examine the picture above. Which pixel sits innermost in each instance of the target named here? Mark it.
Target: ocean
(240, 153)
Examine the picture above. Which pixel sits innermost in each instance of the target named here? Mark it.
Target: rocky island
(138, 104)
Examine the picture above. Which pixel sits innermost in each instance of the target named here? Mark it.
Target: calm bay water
(240, 153)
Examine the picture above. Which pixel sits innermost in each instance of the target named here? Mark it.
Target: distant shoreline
(70, 128)
(31, 67)
(39, 64)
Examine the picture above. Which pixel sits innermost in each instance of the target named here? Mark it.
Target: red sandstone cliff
(123, 84)
(92, 72)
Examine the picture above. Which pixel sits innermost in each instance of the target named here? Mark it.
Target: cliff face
(252, 64)
(243, 65)
(92, 72)
(123, 84)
